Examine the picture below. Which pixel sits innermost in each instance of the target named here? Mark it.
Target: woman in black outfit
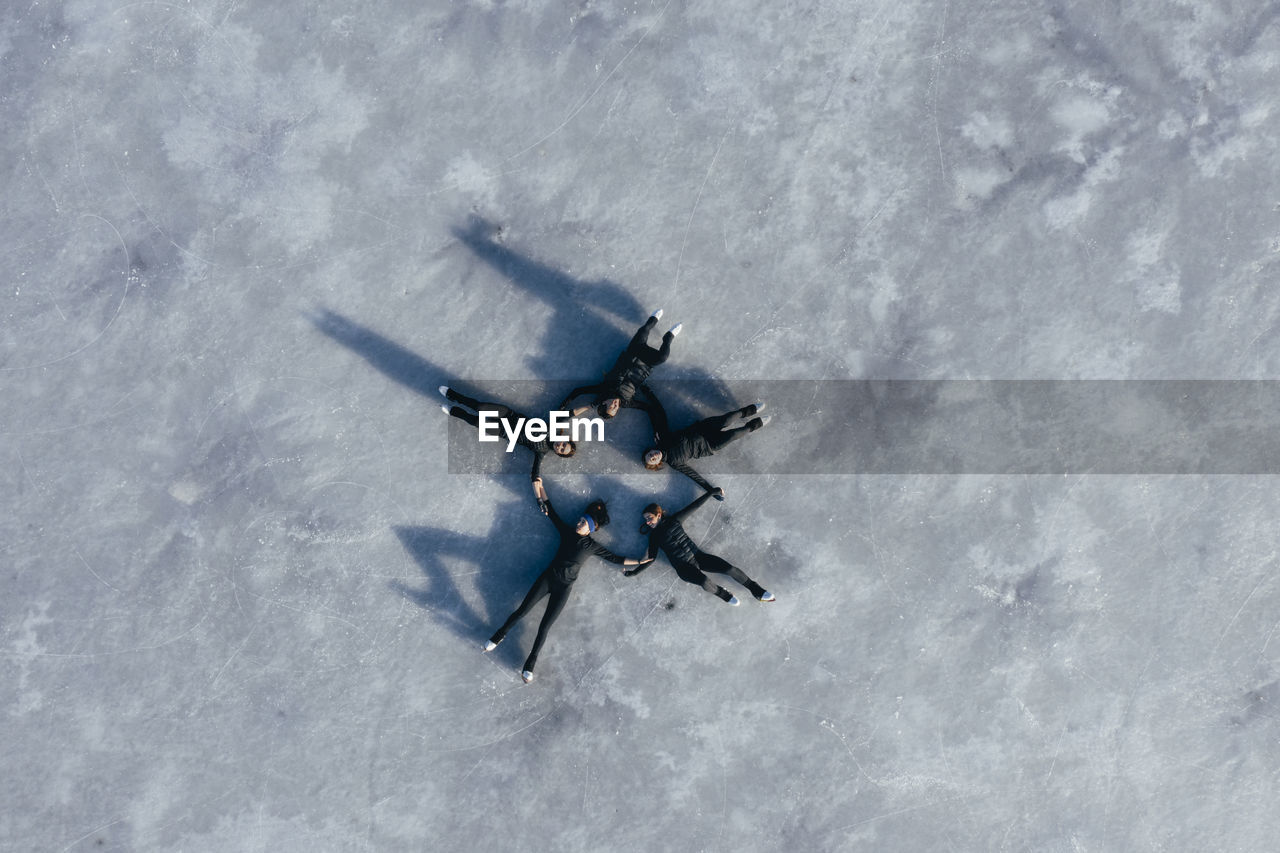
(696, 440)
(539, 448)
(691, 562)
(620, 383)
(576, 545)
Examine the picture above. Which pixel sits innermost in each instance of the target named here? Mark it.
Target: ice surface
(245, 599)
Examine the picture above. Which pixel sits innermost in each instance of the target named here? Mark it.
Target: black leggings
(639, 346)
(713, 429)
(545, 585)
(504, 412)
(703, 562)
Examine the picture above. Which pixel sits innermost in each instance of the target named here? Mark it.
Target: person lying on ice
(617, 389)
(695, 441)
(512, 419)
(691, 562)
(556, 581)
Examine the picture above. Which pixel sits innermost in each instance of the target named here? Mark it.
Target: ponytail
(599, 511)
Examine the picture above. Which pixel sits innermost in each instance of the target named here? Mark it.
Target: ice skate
(657, 315)
(444, 392)
(675, 330)
(752, 410)
(527, 675)
(733, 601)
(767, 596)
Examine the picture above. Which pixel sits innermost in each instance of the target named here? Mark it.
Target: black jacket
(622, 380)
(539, 448)
(669, 536)
(680, 446)
(574, 550)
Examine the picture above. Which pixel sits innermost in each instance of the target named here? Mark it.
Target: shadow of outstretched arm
(503, 562)
(391, 359)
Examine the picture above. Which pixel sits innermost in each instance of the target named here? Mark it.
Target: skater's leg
(663, 352)
(504, 412)
(540, 587)
(692, 574)
(463, 414)
(639, 346)
(479, 405)
(559, 595)
(719, 565)
(650, 356)
(717, 423)
(640, 340)
(458, 397)
(721, 437)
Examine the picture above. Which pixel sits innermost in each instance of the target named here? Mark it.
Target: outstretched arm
(701, 499)
(574, 394)
(657, 414)
(650, 553)
(697, 478)
(606, 554)
(550, 511)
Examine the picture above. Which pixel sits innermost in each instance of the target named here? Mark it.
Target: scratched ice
(244, 598)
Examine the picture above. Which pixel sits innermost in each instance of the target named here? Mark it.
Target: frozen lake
(246, 596)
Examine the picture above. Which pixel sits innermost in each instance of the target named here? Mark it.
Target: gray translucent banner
(931, 427)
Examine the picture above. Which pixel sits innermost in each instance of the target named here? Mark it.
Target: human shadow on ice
(497, 559)
(425, 377)
(404, 366)
(592, 320)
(507, 559)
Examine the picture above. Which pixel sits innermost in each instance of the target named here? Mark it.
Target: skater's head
(595, 516)
(564, 448)
(652, 459)
(652, 515)
(608, 407)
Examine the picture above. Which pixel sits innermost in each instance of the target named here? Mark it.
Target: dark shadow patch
(392, 360)
(504, 560)
(1259, 706)
(592, 321)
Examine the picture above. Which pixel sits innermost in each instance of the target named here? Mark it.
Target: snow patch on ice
(1080, 116)
(885, 293)
(1065, 211)
(1156, 281)
(1068, 210)
(185, 491)
(1009, 50)
(986, 132)
(26, 648)
(977, 185)
(472, 179)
